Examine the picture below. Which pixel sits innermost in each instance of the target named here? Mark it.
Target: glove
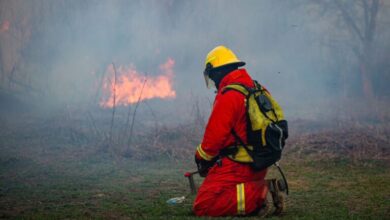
(203, 166)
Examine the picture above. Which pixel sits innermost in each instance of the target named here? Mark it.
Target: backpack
(267, 129)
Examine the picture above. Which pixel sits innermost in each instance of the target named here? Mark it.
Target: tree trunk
(371, 13)
(365, 33)
(366, 70)
(365, 79)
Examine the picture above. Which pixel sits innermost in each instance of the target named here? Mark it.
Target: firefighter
(230, 188)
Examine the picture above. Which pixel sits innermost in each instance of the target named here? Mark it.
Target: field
(51, 170)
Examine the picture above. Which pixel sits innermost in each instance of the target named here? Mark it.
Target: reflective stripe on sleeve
(240, 199)
(203, 154)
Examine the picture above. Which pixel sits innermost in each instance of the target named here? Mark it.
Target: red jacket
(228, 113)
(230, 188)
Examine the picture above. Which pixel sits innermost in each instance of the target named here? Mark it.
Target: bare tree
(360, 17)
(366, 34)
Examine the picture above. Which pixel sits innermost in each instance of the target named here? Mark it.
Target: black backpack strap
(239, 140)
(283, 176)
(229, 151)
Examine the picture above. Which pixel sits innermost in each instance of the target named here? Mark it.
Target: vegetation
(59, 178)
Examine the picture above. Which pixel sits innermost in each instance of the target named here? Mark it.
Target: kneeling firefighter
(245, 135)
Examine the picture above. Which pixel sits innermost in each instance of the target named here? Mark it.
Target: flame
(4, 26)
(132, 86)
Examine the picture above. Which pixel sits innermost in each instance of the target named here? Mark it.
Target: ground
(51, 177)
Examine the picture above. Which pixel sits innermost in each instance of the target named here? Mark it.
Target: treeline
(353, 37)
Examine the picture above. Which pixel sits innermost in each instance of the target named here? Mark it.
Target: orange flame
(132, 86)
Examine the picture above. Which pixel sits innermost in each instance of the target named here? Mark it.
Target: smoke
(291, 47)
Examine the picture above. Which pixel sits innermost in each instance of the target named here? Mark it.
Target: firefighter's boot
(277, 188)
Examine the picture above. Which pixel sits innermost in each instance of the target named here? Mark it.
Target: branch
(373, 15)
(114, 104)
(153, 115)
(134, 113)
(366, 15)
(27, 87)
(349, 20)
(99, 88)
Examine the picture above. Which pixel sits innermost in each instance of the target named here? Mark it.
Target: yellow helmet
(221, 56)
(218, 57)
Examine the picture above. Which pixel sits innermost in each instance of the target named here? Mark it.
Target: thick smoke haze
(304, 52)
(103, 106)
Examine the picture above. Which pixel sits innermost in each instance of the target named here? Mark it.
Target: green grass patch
(102, 187)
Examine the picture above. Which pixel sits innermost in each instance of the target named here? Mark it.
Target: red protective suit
(231, 188)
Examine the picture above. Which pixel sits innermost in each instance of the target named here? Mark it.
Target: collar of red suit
(237, 76)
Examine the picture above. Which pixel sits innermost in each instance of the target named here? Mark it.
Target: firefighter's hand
(203, 166)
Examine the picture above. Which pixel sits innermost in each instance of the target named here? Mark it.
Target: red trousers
(231, 189)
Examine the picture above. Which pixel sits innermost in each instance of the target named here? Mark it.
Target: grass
(339, 190)
(44, 174)
(99, 187)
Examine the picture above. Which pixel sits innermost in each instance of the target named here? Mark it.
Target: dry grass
(356, 141)
(53, 167)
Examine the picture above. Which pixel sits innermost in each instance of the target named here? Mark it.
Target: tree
(360, 17)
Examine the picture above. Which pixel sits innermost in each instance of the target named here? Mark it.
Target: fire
(132, 86)
(4, 26)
